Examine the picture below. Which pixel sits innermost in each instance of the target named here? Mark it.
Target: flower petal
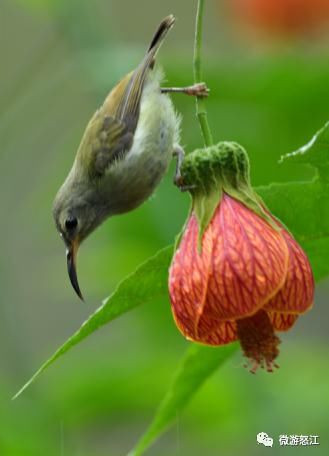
(282, 321)
(188, 278)
(209, 331)
(249, 262)
(214, 332)
(297, 293)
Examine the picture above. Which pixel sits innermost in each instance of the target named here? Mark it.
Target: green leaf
(198, 364)
(302, 206)
(314, 153)
(147, 283)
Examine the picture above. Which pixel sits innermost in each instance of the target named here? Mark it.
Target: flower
(237, 274)
(283, 18)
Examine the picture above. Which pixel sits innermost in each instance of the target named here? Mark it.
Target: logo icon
(264, 439)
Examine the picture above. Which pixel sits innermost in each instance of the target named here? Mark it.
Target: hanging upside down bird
(124, 153)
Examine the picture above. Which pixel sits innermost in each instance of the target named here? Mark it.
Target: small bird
(124, 153)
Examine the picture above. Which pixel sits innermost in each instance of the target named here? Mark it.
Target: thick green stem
(200, 101)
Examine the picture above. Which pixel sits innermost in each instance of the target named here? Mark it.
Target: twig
(200, 101)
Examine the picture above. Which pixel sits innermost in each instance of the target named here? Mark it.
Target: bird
(125, 151)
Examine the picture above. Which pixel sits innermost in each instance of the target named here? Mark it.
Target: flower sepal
(223, 168)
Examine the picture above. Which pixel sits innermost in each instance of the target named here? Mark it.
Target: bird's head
(76, 216)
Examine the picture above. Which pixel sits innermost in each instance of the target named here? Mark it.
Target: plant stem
(200, 101)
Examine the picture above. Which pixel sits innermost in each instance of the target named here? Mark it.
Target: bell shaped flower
(237, 273)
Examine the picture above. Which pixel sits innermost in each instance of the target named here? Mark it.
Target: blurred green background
(58, 61)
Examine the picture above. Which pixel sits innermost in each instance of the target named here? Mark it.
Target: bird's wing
(111, 143)
(129, 105)
(105, 140)
(109, 135)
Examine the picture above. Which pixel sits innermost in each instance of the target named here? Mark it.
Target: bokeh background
(268, 70)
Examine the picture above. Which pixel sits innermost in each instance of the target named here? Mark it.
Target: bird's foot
(196, 90)
(178, 178)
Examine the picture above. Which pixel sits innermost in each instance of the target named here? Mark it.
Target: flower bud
(237, 273)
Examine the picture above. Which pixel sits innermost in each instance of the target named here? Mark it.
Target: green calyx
(223, 168)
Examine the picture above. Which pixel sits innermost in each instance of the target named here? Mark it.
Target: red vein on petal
(282, 321)
(248, 298)
(296, 295)
(206, 235)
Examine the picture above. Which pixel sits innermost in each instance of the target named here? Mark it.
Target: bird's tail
(130, 101)
(161, 34)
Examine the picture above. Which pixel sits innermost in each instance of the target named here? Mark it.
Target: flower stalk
(197, 64)
(237, 273)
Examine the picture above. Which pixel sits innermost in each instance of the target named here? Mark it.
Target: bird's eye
(71, 223)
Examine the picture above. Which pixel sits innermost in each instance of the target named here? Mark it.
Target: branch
(200, 101)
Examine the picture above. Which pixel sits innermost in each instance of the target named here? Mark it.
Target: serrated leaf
(302, 206)
(145, 284)
(315, 152)
(199, 363)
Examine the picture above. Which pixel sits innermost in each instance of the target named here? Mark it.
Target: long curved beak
(71, 254)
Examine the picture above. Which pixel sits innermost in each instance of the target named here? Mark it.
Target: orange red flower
(283, 17)
(242, 278)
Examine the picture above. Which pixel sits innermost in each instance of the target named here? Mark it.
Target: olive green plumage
(124, 153)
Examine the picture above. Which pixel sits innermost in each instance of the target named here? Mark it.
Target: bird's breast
(132, 179)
